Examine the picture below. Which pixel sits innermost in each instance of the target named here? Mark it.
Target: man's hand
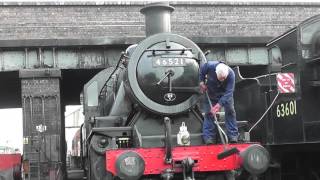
(203, 87)
(216, 108)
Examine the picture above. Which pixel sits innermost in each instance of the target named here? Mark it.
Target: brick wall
(41, 108)
(50, 20)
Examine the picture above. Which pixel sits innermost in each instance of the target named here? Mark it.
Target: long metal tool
(226, 152)
(224, 141)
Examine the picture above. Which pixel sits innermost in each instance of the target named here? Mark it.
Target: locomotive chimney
(157, 17)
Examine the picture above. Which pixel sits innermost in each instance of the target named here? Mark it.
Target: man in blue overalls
(220, 84)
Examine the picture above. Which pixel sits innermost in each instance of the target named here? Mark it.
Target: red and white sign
(285, 82)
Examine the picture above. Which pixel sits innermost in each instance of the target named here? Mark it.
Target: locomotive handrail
(171, 56)
(103, 89)
(183, 49)
(313, 60)
(289, 64)
(274, 100)
(241, 81)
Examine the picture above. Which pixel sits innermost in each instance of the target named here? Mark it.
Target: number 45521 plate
(156, 62)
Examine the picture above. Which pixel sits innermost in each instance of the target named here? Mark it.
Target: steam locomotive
(282, 106)
(142, 119)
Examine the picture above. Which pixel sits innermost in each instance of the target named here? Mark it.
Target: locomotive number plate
(285, 109)
(174, 61)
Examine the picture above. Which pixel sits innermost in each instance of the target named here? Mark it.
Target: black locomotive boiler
(142, 120)
(283, 106)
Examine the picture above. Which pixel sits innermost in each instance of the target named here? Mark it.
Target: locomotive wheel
(97, 168)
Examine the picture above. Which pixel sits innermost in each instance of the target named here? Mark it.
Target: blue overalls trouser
(209, 128)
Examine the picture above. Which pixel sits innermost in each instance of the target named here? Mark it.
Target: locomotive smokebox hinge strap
(168, 140)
